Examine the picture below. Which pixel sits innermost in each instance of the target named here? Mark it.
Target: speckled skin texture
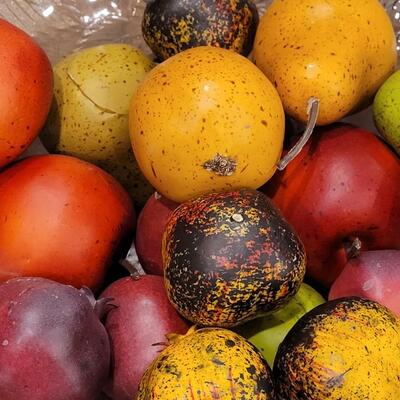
(339, 51)
(199, 104)
(208, 364)
(230, 257)
(387, 111)
(26, 89)
(89, 116)
(171, 26)
(345, 349)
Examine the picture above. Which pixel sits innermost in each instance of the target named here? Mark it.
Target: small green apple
(267, 333)
(386, 110)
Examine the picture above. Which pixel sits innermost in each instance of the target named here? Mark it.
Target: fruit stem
(221, 165)
(312, 113)
(352, 247)
(132, 264)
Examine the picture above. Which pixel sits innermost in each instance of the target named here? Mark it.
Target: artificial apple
(137, 330)
(149, 232)
(374, 275)
(268, 332)
(342, 192)
(61, 218)
(26, 90)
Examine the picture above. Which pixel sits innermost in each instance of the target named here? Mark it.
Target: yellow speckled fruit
(339, 51)
(208, 364)
(206, 120)
(345, 349)
(89, 117)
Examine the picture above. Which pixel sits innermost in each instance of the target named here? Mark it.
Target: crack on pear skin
(103, 109)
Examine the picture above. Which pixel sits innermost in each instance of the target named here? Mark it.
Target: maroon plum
(137, 329)
(52, 343)
(150, 229)
(374, 275)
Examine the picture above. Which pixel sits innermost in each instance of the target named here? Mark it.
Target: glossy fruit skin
(345, 183)
(62, 219)
(53, 345)
(151, 224)
(209, 363)
(89, 116)
(143, 318)
(26, 91)
(230, 257)
(344, 349)
(171, 26)
(267, 333)
(197, 106)
(374, 275)
(386, 110)
(339, 52)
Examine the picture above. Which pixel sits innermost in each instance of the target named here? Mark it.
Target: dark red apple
(137, 326)
(342, 190)
(374, 275)
(150, 229)
(52, 343)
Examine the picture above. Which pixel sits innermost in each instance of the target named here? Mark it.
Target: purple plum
(53, 345)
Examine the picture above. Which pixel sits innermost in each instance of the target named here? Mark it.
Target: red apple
(345, 184)
(26, 91)
(374, 275)
(136, 328)
(150, 229)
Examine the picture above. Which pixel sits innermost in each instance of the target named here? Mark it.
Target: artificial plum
(137, 328)
(149, 232)
(53, 345)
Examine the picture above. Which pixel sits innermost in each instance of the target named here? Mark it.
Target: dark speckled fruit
(345, 349)
(230, 257)
(171, 26)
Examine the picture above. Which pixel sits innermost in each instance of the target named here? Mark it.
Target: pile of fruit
(265, 259)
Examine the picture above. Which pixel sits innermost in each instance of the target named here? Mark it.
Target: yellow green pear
(89, 116)
(339, 51)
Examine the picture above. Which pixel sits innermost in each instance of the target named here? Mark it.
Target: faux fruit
(171, 26)
(268, 332)
(89, 116)
(62, 219)
(26, 87)
(230, 257)
(341, 192)
(52, 343)
(206, 120)
(374, 275)
(345, 349)
(338, 51)
(149, 232)
(137, 328)
(386, 111)
(208, 363)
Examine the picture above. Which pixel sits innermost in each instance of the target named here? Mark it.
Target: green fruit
(268, 332)
(89, 116)
(386, 110)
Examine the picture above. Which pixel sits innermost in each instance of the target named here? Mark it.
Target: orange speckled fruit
(340, 51)
(206, 120)
(345, 349)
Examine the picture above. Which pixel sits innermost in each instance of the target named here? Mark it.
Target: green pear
(386, 111)
(268, 332)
